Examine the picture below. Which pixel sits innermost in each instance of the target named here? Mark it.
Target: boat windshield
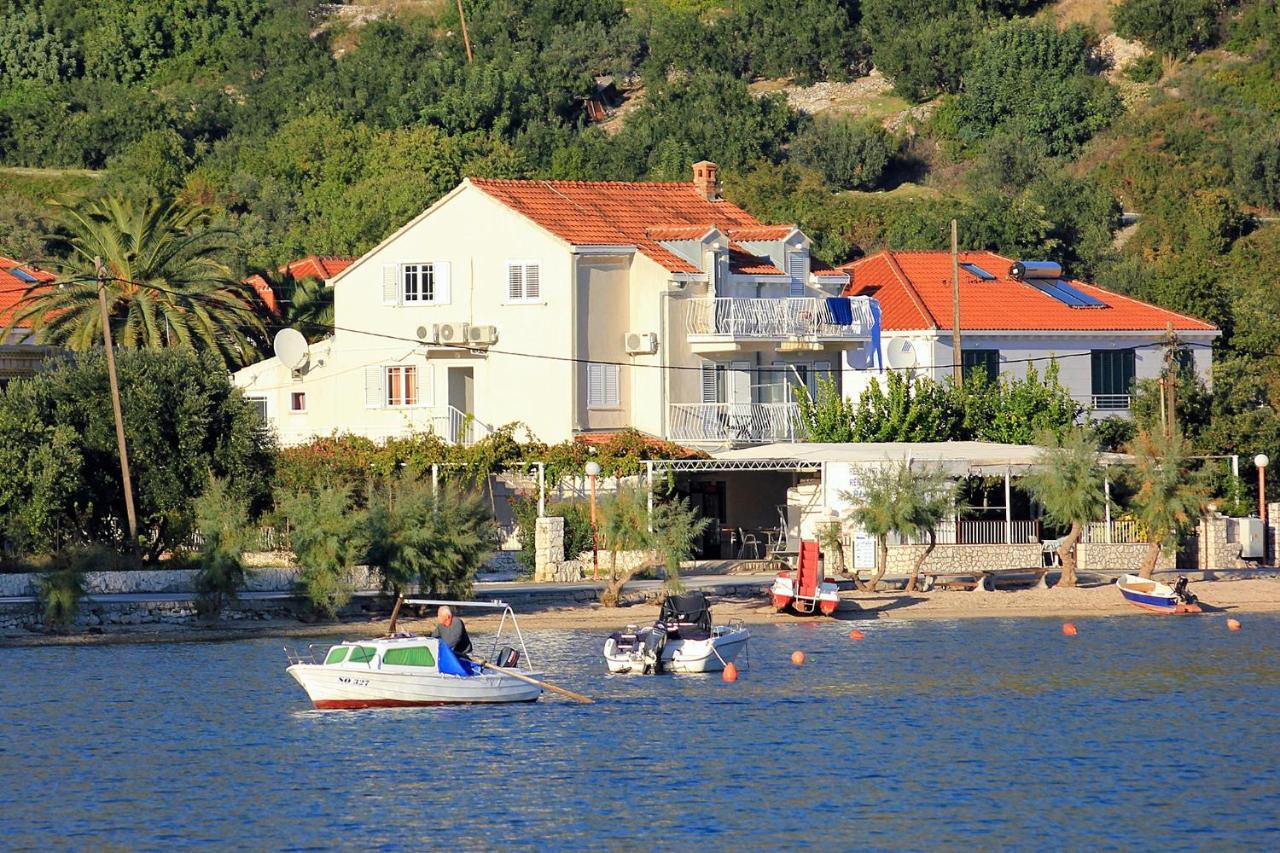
(362, 654)
(337, 654)
(411, 656)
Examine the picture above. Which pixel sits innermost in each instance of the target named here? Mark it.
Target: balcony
(735, 423)
(726, 323)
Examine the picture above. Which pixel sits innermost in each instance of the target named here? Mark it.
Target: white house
(572, 307)
(1015, 315)
(20, 355)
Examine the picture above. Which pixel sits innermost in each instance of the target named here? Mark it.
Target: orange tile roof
(762, 232)
(14, 287)
(914, 289)
(610, 213)
(323, 267)
(679, 232)
(745, 263)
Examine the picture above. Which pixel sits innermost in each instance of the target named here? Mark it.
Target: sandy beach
(1219, 597)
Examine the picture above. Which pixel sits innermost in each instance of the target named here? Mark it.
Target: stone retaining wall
(963, 558)
(179, 581)
(1118, 557)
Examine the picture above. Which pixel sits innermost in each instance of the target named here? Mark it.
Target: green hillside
(314, 129)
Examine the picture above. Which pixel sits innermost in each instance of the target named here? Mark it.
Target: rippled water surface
(1139, 732)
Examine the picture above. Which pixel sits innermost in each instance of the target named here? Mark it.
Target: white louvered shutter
(426, 385)
(532, 281)
(709, 393)
(798, 271)
(595, 385)
(611, 395)
(515, 282)
(444, 284)
(740, 382)
(375, 395)
(390, 284)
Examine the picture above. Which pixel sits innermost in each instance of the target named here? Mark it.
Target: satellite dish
(291, 348)
(900, 354)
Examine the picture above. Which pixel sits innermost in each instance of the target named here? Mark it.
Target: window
(798, 271)
(1113, 372)
(402, 385)
(259, 406)
(981, 362)
(412, 656)
(602, 386)
(713, 382)
(362, 654)
(1184, 363)
(523, 281)
(298, 401)
(419, 282)
(337, 654)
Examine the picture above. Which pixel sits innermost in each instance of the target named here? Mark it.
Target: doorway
(461, 400)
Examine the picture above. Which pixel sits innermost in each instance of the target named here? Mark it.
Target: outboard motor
(654, 644)
(1180, 590)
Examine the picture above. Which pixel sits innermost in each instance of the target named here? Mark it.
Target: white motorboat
(409, 670)
(683, 640)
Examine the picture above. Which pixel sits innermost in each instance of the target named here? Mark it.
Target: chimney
(704, 180)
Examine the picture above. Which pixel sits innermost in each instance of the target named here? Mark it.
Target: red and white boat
(800, 590)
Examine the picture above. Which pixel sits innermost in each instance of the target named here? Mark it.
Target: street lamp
(1260, 462)
(593, 471)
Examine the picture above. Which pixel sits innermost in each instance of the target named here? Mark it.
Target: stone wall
(963, 558)
(548, 548)
(180, 581)
(1118, 557)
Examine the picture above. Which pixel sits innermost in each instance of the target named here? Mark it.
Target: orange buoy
(730, 673)
(797, 658)
(1233, 624)
(1069, 630)
(855, 634)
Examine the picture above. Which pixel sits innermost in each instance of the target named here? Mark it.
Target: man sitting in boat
(451, 631)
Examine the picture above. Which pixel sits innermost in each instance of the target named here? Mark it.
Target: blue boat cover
(450, 665)
(841, 310)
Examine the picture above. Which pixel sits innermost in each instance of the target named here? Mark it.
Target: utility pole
(957, 358)
(1169, 382)
(100, 271)
(466, 39)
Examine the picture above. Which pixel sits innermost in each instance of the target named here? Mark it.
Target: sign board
(864, 551)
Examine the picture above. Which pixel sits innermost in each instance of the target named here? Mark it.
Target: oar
(577, 697)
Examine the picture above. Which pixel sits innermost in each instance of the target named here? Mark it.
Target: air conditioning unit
(642, 343)
(427, 334)
(450, 334)
(482, 336)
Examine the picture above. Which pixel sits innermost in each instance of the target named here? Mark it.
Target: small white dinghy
(401, 670)
(1158, 597)
(683, 640)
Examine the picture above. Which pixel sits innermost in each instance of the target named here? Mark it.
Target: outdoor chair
(750, 541)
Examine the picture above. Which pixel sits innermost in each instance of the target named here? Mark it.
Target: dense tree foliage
(1173, 26)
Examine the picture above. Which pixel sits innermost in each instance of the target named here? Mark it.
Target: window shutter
(740, 382)
(611, 395)
(444, 288)
(798, 270)
(374, 393)
(709, 394)
(595, 385)
(426, 385)
(515, 282)
(532, 281)
(390, 284)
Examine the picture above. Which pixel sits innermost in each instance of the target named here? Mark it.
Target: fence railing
(1123, 532)
(977, 532)
(464, 428)
(746, 422)
(776, 318)
(265, 539)
(1108, 402)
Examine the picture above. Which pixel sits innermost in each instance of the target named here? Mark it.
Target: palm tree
(901, 499)
(303, 303)
(1068, 483)
(165, 288)
(1168, 498)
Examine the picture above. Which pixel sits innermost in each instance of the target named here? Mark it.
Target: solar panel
(1066, 294)
(974, 269)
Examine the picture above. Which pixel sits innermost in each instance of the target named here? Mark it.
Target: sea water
(1139, 732)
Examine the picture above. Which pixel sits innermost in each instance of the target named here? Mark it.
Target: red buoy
(797, 658)
(730, 673)
(1069, 630)
(1233, 624)
(855, 634)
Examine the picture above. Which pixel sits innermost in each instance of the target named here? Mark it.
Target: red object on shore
(797, 658)
(730, 673)
(1233, 624)
(1069, 630)
(855, 634)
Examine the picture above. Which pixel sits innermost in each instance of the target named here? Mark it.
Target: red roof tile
(914, 289)
(744, 263)
(762, 232)
(323, 267)
(14, 287)
(679, 232)
(608, 213)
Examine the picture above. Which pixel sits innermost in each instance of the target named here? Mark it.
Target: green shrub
(1257, 171)
(577, 527)
(437, 543)
(1177, 27)
(327, 532)
(850, 154)
(223, 522)
(59, 593)
(1144, 69)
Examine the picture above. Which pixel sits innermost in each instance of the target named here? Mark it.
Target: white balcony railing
(735, 422)
(804, 317)
(1108, 402)
(1122, 532)
(974, 531)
